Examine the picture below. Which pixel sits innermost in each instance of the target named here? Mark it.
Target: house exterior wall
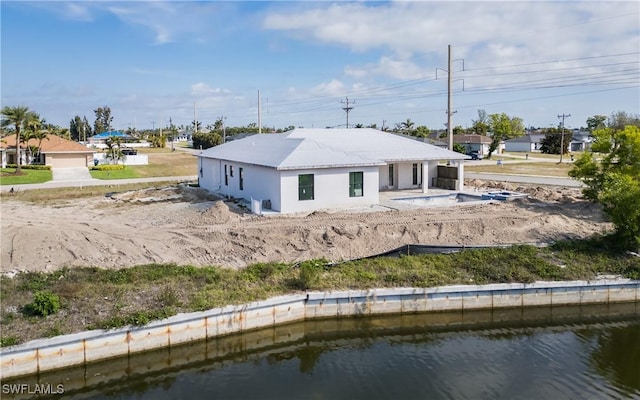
(65, 160)
(258, 182)
(405, 175)
(432, 168)
(331, 189)
(519, 146)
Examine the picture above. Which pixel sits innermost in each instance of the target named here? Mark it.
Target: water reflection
(570, 352)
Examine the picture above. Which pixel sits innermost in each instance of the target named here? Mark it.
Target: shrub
(108, 167)
(44, 303)
(31, 166)
(310, 272)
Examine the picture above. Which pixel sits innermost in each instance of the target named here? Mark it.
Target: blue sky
(149, 61)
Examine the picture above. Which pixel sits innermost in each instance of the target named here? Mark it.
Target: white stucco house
(313, 169)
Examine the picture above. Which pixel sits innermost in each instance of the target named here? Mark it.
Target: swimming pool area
(459, 197)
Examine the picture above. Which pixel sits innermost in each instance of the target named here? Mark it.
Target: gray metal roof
(326, 148)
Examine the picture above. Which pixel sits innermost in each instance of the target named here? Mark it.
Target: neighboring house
(527, 143)
(581, 140)
(55, 151)
(101, 138)
(184, 136)
(312, 169)
(429, 139)
(473, 142)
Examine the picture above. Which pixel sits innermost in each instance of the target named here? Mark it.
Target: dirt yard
(184, 225)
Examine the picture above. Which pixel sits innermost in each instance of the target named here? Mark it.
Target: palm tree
(32, 125)
(15, 116)
(40, 135)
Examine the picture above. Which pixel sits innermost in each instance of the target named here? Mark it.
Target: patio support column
(460, 185)
(425, 177)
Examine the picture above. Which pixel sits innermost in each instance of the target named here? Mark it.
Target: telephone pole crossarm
(347, 108)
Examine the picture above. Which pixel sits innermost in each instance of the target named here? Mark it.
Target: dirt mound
(185, 226)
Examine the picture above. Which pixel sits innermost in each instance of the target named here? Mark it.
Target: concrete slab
(71, 174)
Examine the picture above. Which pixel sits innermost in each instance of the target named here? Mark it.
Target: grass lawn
(576, 155)
(8, 176)
(524, 168)
(126, 173)
(162, 162)
(43, 196)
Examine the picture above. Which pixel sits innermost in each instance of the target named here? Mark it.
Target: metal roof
(326, 148)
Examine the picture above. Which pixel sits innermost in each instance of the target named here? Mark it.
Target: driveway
(71, 174)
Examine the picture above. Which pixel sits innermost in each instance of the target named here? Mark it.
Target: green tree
(206, 140)
(503, 127)
(113, 152)
(596, 122)
(103, 119)
(15, 116)
(422, 131)
(481, 125)
(614, 179)
(405, 126)
(40, 135)
(79, 128)
(620, 119)
(459, 148)
(32, 125)
(553, 141)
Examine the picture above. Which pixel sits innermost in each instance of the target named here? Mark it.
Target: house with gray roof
(313, 169)
(526, 143)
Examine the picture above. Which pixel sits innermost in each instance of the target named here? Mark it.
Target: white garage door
(67, 160)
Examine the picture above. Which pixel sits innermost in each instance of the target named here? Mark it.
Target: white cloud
(203, 89)
(332, 88)
(483, 31)
(387, 66)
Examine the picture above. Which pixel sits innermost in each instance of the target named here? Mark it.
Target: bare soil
(186, 225)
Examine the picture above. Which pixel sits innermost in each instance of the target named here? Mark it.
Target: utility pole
(449, 103)
(563, 116)
(347, 108)
(224, 132)
(259, 115)
(195, 119)
(450, 111)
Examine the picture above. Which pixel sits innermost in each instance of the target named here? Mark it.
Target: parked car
(130, 152)
(475, 155)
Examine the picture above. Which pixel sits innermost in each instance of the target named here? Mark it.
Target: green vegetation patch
(106, 298)
(8, 176)
(118, 173)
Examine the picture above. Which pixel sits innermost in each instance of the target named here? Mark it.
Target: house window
(231, 171)
(390, 175)
(355, 184)
(226, 176)
(240, 180)
(305, 187)
(415, 174)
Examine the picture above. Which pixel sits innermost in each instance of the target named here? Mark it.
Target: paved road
(95, 182)
(541, 180)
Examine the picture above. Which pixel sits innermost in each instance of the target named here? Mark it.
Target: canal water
(540, 353)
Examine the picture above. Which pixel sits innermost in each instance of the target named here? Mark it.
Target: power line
(554, 61)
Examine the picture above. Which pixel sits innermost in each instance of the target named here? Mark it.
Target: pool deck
(389, 198)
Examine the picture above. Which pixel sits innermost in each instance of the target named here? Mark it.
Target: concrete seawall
(91, 346)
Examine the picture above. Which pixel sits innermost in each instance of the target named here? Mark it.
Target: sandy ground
(183, 225)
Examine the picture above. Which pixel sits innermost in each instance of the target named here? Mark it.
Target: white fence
(140, 159)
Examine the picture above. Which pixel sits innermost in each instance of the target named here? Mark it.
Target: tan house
(55, 151)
